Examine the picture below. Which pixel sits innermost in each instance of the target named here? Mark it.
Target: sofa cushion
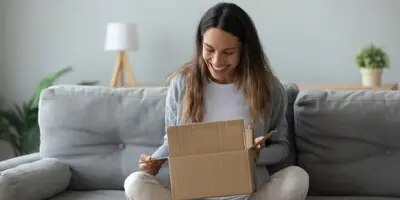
(36, 180)
(14, 162)
(99, 131)
(348, 141)
(91, 195)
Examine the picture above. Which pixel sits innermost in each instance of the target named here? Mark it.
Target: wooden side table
(348, 86)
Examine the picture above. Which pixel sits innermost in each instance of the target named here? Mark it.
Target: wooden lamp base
(118, 75)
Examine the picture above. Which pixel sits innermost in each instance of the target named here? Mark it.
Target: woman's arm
(171, 112)
(277, 148)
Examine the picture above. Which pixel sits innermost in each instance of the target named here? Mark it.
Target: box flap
(206, 137)
(249, 138)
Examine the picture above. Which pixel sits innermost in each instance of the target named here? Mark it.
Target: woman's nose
(218, 60)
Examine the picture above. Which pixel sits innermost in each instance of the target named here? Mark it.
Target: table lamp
(121, 38)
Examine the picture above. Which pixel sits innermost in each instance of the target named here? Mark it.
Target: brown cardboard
(211, 159)
(249, 138)
(208, 137)
(219, 174)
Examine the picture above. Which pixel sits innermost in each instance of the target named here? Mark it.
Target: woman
(228, 78)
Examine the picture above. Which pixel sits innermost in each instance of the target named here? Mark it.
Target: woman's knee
(134, 182)
(298, 174)
(143, 186)
(296, 182)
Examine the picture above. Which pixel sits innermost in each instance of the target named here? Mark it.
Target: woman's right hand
(146, 164)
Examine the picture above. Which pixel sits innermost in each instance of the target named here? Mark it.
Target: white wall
(2, 46)
(307, 41)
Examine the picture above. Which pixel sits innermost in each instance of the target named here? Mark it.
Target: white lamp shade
(121, 37)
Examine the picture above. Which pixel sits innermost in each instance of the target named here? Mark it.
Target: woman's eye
(210, 50)
(229, 53)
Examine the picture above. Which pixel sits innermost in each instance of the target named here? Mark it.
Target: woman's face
(221, 53)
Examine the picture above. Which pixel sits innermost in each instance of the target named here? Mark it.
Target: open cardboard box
(211, 159)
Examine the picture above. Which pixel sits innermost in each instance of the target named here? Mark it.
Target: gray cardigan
(277, 148)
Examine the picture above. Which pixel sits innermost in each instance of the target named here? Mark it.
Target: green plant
(19, 124)
(5, 132)
(372, 57)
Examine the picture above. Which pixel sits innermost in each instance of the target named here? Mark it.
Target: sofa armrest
(41, 179)
(13, 162)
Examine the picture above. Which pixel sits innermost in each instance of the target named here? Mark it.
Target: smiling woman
(228, 78)
(221, 52)
(228, 51)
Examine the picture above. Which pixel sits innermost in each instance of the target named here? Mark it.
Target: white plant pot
(371, 77)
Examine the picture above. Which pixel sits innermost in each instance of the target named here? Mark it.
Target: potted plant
(372, 60)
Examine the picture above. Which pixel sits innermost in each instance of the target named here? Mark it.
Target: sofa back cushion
(100, 132)
(348, 141)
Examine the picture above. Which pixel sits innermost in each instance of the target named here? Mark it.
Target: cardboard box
(211, 159)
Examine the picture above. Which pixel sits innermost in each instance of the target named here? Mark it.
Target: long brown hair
(253, 74)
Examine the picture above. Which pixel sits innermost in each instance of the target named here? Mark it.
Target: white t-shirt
(224, 102)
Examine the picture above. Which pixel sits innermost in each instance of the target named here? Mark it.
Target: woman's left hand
(257, 139)
(259, 147)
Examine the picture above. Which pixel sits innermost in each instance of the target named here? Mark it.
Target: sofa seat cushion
(349, 198)
(94, 195)
(348, 141)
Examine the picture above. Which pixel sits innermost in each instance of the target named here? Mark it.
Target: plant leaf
(46, 82)
(372, 57)
(13, 119)
(31, 141)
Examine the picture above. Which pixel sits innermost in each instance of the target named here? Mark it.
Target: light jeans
(290, 183)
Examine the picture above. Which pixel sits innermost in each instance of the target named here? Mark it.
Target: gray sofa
(348, 142)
